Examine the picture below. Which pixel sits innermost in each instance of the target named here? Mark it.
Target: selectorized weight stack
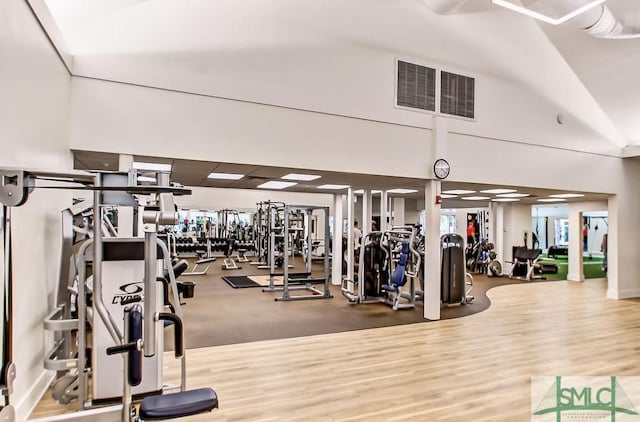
(453, 275)
(111, 259)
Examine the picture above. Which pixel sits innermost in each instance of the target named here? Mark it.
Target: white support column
(350, 240)
(575, 271)
(398, 211)
(499, 231)
(367, 212)
(336, 262)
(125, 162)
(432, 251)
(384, 210)
(613, 255)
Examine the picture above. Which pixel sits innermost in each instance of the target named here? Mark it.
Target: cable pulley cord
(7, 294)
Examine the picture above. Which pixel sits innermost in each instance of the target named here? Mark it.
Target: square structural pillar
(432, 251)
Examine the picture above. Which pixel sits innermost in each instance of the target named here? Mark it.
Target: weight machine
(388, 263)
(117, 189)
(293, 214)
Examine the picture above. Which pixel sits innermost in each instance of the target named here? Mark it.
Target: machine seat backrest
(399, 278)
(178, 268)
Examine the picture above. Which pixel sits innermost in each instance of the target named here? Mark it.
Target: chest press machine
(140, 336)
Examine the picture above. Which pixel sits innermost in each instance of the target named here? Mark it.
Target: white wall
(517, 220)
(340, 59)
(136, 120)
(34, 117)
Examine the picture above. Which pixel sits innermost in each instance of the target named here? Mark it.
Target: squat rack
(303, 281)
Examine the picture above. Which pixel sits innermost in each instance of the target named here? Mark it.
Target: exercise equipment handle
(123, 348)
(178, 334)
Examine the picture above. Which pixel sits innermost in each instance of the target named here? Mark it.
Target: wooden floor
(475, 368)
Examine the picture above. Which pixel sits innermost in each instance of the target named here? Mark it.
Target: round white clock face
(441, 168)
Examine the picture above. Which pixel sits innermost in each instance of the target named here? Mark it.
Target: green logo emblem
(574, 401)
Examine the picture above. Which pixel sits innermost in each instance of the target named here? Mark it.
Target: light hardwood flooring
(475, 368)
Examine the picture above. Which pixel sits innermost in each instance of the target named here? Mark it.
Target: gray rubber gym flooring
(220, 314)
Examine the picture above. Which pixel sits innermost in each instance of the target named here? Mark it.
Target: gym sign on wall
(131, 293)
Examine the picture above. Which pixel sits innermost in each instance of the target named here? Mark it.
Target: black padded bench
(177, 405)
(557, 250)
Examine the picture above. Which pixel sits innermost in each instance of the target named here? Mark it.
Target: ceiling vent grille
(457, 95)
(416, 86)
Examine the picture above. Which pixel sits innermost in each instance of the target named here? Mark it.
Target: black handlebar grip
(122, 348)
(178, 333)
(135, 336)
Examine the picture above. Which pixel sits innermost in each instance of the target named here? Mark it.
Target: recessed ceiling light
(151, 166)
(567, 195)
(521, 9)
(513, 195)
(225, 176)
(505, 200)
(476, 198)
(495, 191)
(336, 187)
(275, 184)
(445, 196)
(551, 200)
(402, 191)
(458, 191)
(301, 177)
(361, 191)
(146, 179)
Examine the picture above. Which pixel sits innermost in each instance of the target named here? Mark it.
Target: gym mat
(244, 315)
(240, 281)
(256, 280)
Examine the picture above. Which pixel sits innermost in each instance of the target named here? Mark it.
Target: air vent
(416, 86)
(457, 95)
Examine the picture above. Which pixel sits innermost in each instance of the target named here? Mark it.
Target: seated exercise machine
(108, 257)
(388, 267)
(166, 406)
(398, 279)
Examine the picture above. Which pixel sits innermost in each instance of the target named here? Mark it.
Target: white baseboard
(33, 396)
(623, 294)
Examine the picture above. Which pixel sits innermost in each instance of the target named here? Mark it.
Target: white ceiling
(194, 173)
(587, 78)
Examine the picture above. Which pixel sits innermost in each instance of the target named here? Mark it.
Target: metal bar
(285, 291)
(83, 393)
(125, 415)
(350, 239)
(110, 324)
(150, 274)
(307, 228)
(7, 323)
(326, 252)
(166, 256)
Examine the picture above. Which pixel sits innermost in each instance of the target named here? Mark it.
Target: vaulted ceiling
(207, 46)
